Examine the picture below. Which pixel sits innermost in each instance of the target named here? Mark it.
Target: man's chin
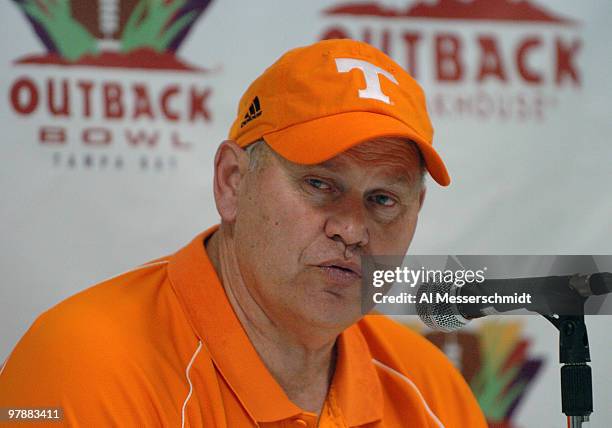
(331, 309)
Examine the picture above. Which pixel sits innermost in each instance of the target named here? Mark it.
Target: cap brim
(321, 139)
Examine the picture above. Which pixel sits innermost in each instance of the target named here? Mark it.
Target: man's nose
(348, 223)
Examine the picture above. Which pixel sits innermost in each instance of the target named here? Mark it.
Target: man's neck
(303, 364)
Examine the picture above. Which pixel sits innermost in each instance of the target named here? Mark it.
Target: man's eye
(383, 200)
(318, 184)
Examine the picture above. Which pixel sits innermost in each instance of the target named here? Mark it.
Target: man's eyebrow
(398, 174)
(401, 179)
(335, 167)
(400, 184)
(391, 181)
(331, 163)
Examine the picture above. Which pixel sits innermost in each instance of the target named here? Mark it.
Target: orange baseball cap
(317, 101)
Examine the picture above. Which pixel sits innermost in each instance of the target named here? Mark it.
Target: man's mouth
(343, 265)
(341, 273)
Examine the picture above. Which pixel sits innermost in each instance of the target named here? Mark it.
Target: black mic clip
(576, 376)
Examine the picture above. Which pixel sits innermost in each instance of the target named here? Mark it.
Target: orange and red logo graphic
(485, 59)
(84, 98)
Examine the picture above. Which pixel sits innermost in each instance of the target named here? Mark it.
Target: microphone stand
(562, 304)
(576, 378)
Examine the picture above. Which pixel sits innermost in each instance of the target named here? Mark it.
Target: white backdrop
(530, 161)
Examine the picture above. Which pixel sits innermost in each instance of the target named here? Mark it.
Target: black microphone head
(441, 316)
(601, 283)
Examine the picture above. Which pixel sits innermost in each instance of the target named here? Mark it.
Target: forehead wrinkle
(390, 152)
(399, 160)
(395, 180)
(391, 169)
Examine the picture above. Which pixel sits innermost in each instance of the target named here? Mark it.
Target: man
(258, 322)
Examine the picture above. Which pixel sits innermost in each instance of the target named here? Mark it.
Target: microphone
(456, 305)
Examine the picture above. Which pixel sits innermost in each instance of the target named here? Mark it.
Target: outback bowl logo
(86, 100)
(495, 362)
(492, 60)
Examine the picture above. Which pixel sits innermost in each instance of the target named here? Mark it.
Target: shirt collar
(199, 289)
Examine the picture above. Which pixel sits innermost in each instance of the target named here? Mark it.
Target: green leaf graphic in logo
(148, 25)
(495, 385)
(71, 39)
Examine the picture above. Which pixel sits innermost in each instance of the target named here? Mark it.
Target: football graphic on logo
(112, 33)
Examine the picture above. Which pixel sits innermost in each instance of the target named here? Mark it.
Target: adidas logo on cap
(253, 113)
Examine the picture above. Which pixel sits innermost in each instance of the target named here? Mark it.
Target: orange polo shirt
(161, 346)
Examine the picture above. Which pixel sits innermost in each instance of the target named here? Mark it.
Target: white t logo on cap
(370, 72)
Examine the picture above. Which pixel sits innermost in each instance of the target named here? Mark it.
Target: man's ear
(231, 164)
(422, 194)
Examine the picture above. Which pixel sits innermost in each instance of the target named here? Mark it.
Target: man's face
(300, 229)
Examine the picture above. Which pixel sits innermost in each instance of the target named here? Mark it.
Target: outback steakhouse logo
(110, 92)
(481, 59)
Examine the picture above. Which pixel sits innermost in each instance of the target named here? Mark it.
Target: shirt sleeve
(68, 360)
